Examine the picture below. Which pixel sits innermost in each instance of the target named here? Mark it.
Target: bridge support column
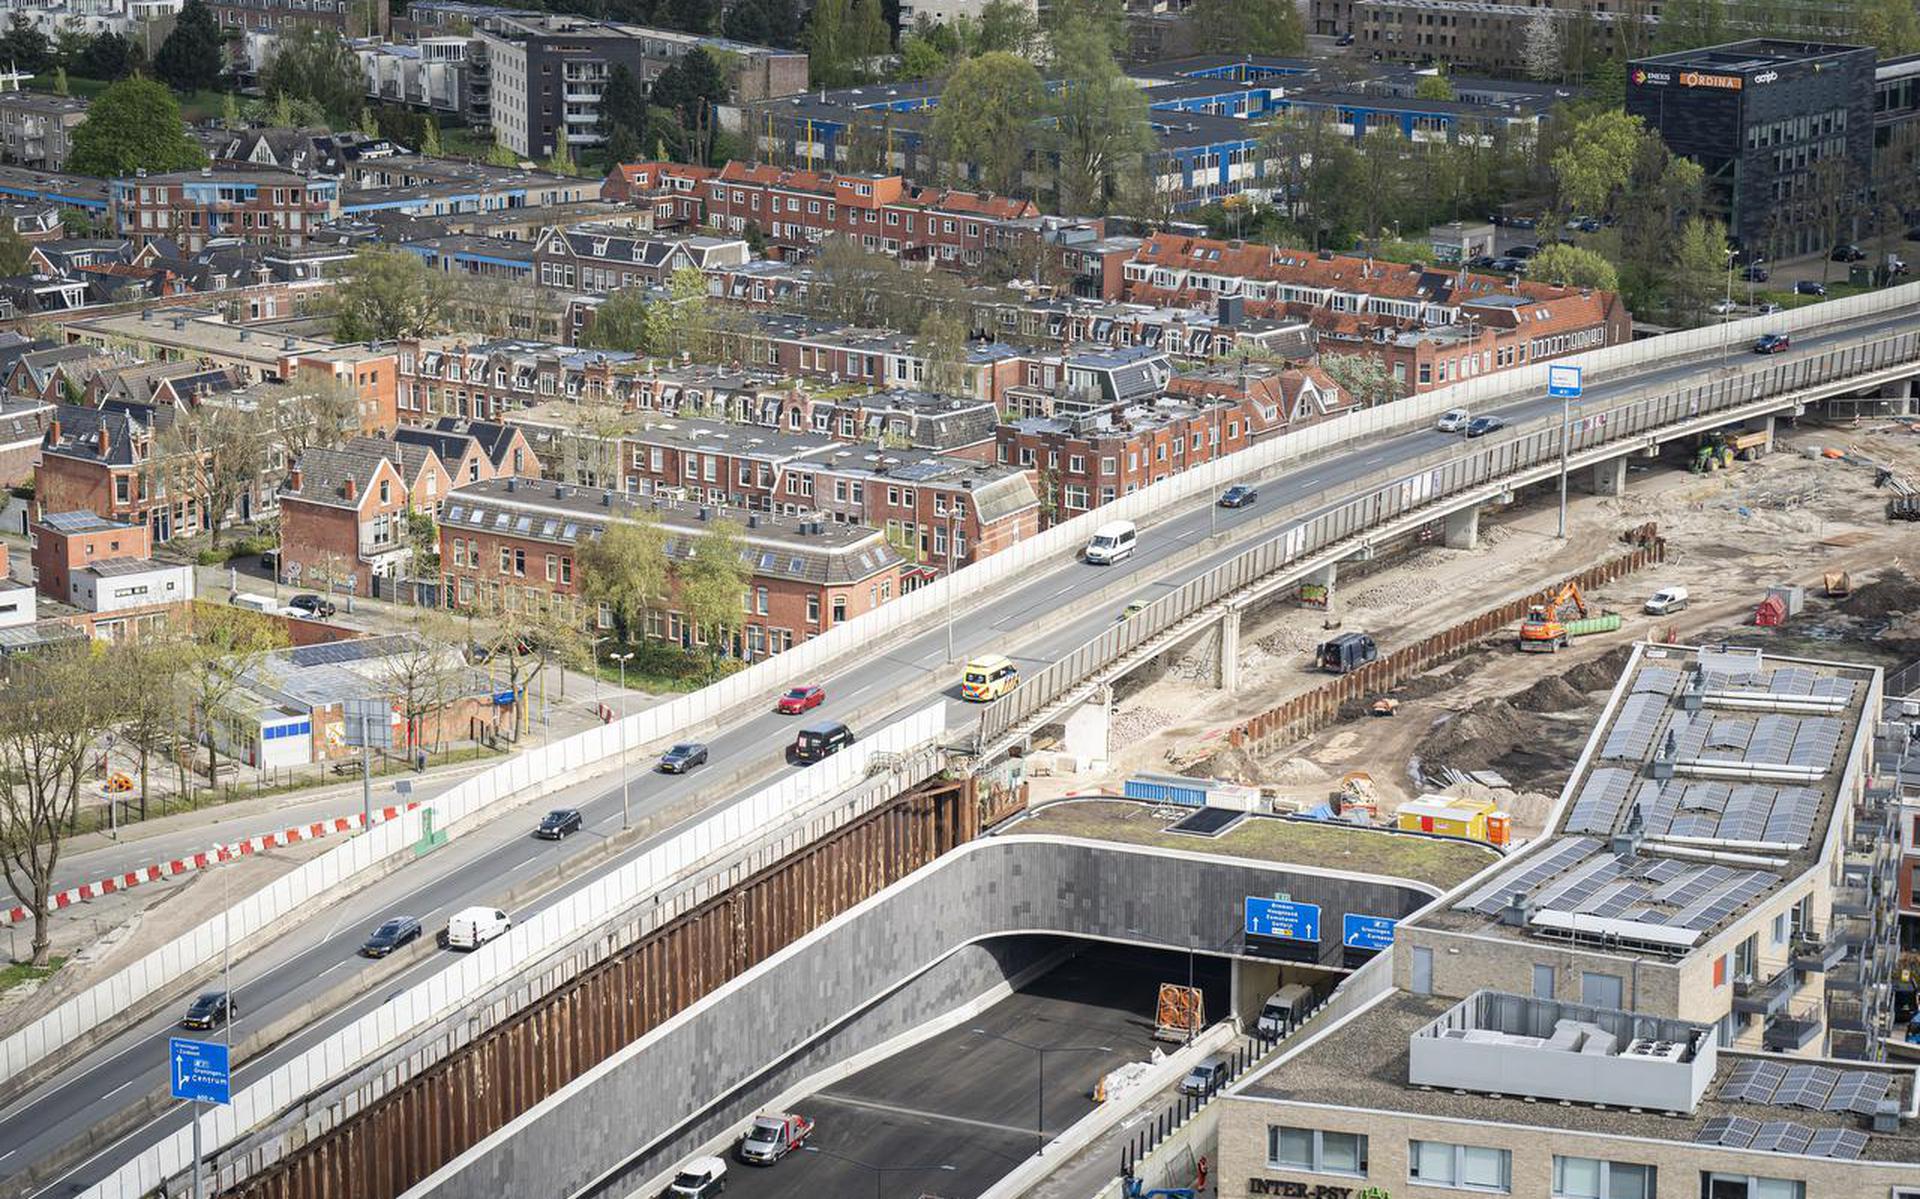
(1899, 397)
(1763, 424)
(1227, 676)
(1610, 477)
(1089, 729)
(1316, 590)
(1463, 529)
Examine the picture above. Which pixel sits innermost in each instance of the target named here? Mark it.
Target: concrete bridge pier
(1899, 397)
(1610, 477)
(1089, 728)
(1227, 674)
(1463, 529)
(1763, 424)
(1324, 577)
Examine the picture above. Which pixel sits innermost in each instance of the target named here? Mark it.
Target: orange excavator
(1544, 630)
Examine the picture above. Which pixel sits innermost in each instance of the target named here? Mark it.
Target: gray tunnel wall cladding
(763, 1023)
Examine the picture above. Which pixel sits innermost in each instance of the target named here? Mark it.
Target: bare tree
(316, 412)
(590, 445)
(423, 675)
(229, 644)
(520, 631)
(212, 456)
(149, 674)
(1540, 46)
(52, 710)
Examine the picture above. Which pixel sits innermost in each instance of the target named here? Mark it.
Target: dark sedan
(558, 823)
(1808, 287)
(1480, 426)
(1238, 496)
(317, 606)
(1772, 343)
(210, 1010)
(400, 930)
(683, 757)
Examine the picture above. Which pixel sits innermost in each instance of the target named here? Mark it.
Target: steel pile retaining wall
(1402, 492)
(428, 1121)
(1305, 714)
(133, 990)
(504, 956)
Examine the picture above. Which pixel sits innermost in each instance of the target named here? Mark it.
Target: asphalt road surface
(478, 868)
(953, 1114)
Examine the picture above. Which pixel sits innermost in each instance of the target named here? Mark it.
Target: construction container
(1838, 583)
(1793, 597)
(1500, 828)
(1168, 788)
(1771, 613)
(1607, 623)
(1447, 815)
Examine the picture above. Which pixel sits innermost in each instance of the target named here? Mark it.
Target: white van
(1666, 600)
(1111, 542)
(474, 927)
(256, 603)
(1284, 1010)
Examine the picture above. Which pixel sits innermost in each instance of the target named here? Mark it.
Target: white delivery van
(256, 603)
(1111, 542)
(1284, 1010)
(474, 927)
(1666, 600)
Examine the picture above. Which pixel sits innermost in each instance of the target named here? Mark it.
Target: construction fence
(1320, 707)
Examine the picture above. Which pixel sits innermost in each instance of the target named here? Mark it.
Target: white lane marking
(123, 1086)
(924, 1115)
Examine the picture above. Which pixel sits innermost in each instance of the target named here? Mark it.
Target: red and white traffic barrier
(212, 857)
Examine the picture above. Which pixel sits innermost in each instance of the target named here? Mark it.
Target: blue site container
(1168, 788)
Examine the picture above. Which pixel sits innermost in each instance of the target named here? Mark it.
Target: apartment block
(36, 128)
(191, 208)
(343, 521)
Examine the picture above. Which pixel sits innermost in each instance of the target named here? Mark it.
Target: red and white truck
(771, 1137)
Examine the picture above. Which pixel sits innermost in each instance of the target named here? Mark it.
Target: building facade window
(1463, 1167)
(1317, 1151)
(1747, 1186)
(1592, 1178)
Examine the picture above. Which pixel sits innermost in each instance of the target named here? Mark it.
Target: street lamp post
(879, 1172)
(952, 552)
(1040, 1053)
(626, 819)
(1566, 422)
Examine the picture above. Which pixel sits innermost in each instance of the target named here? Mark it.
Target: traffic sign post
(1563, 382)
(197, 1071)
(1370, 933)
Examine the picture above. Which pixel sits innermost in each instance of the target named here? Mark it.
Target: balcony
(1793, 1030)
(1855, 899)
(1764, 996)
(1852, 1015)
(1815, 953)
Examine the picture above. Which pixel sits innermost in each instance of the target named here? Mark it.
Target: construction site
(1490, 664)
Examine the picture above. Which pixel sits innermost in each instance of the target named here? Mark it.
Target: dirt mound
(1437, 682)
(1551, 694)
(1295, 772)
(1601, 673)
(1893, 591)
(1230, 763)
(1478, 737)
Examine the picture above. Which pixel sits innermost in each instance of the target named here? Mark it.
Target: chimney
(246, 334)
(513, 483)
(1517, 911)
(53, 430)
(287, 344)
(179, 322)
(106, 439)
(353, 488)
(293, 479)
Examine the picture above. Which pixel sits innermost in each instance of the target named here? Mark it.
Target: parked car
(1667, 601)
(1453, 420)
(1480, 262)
(1480, 426)
(1771, 343)
(1808, 287)
(558, 823)
(1847, 253)
(317, 606)
(1238, 496)
(1206, 1077)
(800, 699)
(210, 1009)
(683, 757)
(1584, 224)
(701, 1178)
(1722, 307)
(1766, 308)
(1345, 39)
(1506, 264)
(770, 1138)
(400, 930)
(1522, 251)
(1755, 273)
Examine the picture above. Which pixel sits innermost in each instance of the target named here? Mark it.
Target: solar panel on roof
(1842, 1143)
(1753, 1082)
(1807, 1087)
(1858, 1091)
(1781, 1136)
(1525, 875)
(1737, 1131)
(1659, 680)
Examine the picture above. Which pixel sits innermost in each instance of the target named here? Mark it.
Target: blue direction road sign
(198, 1070)
(1282, 919)
(1366, 932)
(1563, 381)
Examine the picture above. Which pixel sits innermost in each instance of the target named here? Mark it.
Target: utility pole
(366, 774)
(626, 818)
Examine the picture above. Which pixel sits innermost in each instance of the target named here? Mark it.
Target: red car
(800, 699)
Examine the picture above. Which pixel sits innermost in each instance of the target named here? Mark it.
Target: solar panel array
(1580, 876)
(1528, 874)
(1782, 1136)
(1631, 738)
(1771, 738)
(1814, 1088)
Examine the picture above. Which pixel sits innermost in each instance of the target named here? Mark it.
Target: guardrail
(478, 972)
(181, 959)
(1404, 491)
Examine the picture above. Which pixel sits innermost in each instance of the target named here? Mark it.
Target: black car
(683, 757)
(1345, 39)
(1807, 287)
(390, 936)
(313, 605)
(210, 1010)
(1480, 426)
(1848, 253)
(1508, 266)
(1522, 251)
(558, 823)
(1755, 274)
(1479, 262)
(1771, 343)
(1238, 496)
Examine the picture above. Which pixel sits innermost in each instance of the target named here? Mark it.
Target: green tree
(673, 325)
(107, 57)
(13, 250)
(762, 23)
(942, 341)
(312, 62)
(1890, 26)
(430, 138)
(1597, 161)
(1363, 377)
(501, 155)
(190, 59)
(833, 48)
(229, 112)
(389, 293)
(25, 47)
(1573, 266)
(690, 16)
(1689, 24)
(228, 644)
(1699, 267)
(1100, 129)
(872, 37)
(987, 115)
(689, 90)
(713, 584)
(622, 104)
(1247, 26)
(133, 125)
(622, 146)
(620, 322)
(1005, 25)
(1106, 19)
(1434, 87)
(560, 162)
(920, 58)
(60, 81)
(626, 569)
